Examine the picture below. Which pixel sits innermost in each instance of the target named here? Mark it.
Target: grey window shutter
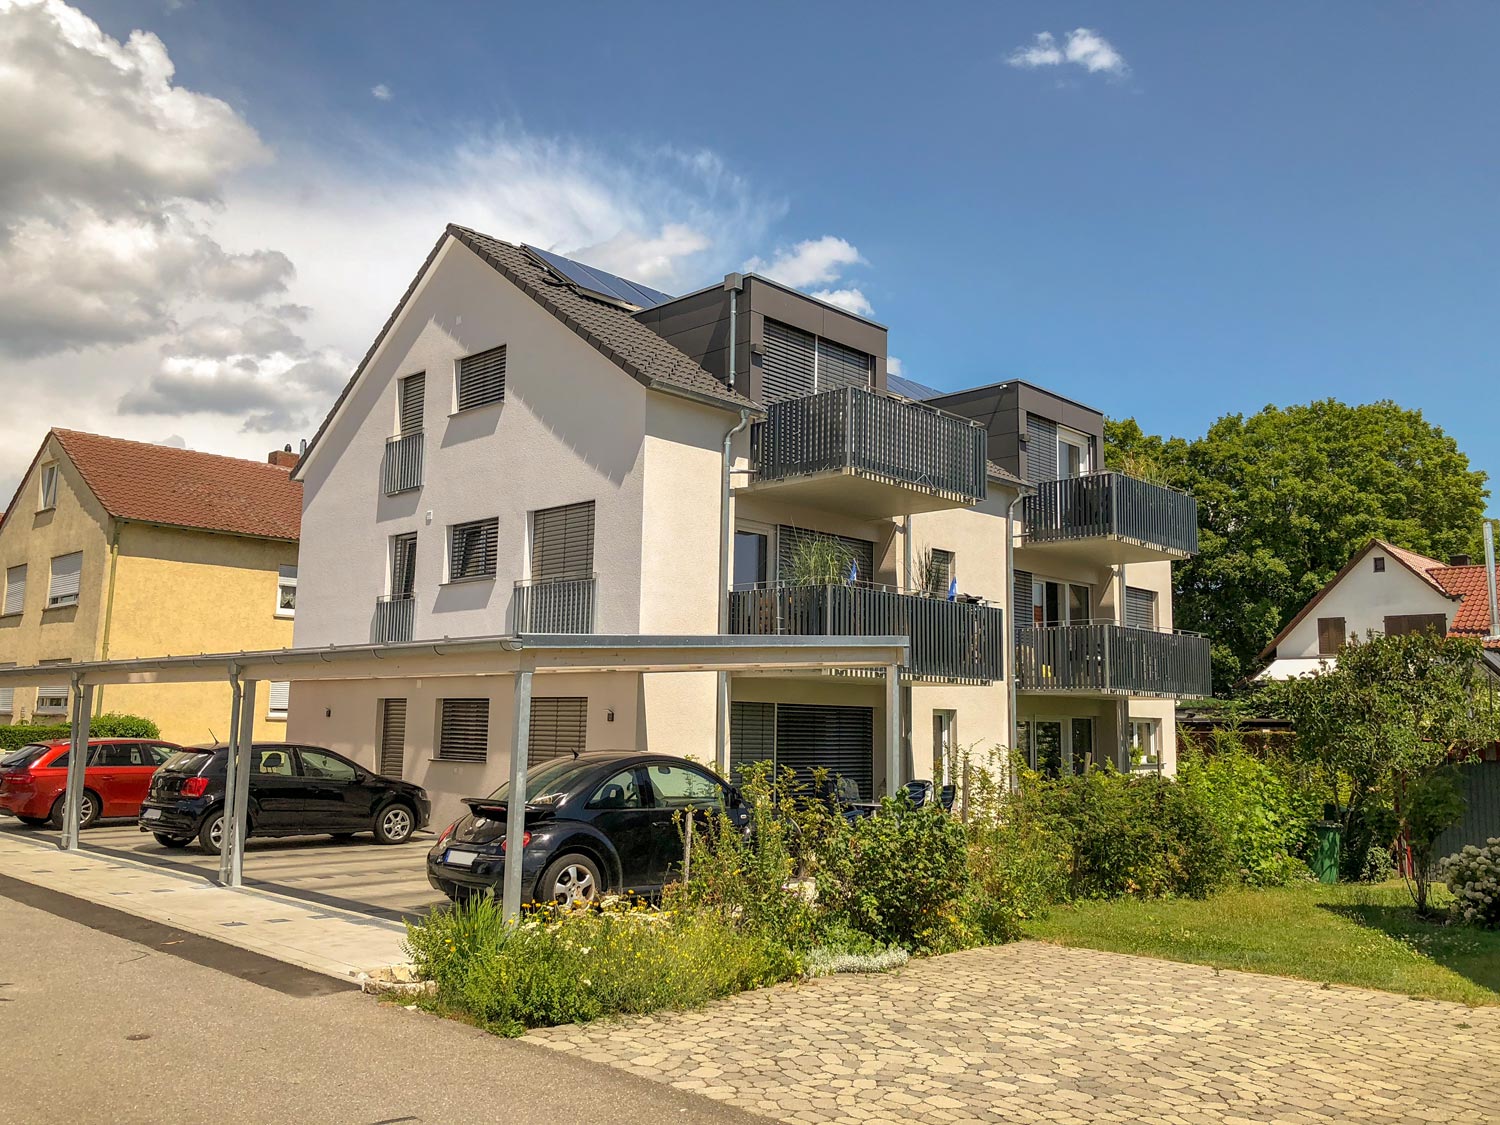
(788, 365)
(1140, 608)
(481, 378)
(839, 366)
(7, 694)
(752, 735)
(838, 739)
(464, 730)
(412, 393)
(66, 572)
(278, 696)
(392, 737)
(1041, 449)
(559, 727)
(562, 542)
(1021, 597)
(15, 589)
(788, 537)
(473, 549)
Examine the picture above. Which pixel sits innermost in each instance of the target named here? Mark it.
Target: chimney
(1459, 560)
(282, 458)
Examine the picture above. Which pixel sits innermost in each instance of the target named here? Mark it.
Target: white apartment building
(532, 446)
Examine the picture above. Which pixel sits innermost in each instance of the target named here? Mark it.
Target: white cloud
(381, 93)
(851, 300)
(892, 365)
(1083, 47)
(817, 261)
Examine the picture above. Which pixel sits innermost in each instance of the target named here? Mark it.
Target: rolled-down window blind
(66, 573)
(464, 731)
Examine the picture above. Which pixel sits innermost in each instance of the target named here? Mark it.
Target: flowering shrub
(1473, 876)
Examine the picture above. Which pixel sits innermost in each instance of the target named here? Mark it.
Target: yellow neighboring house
(113, 549)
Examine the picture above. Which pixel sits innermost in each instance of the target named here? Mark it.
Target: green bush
(109, 725)
(580, 965)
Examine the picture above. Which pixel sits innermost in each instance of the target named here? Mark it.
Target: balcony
(555, 605)
(1111, 518)
(1112, 660)
(857, 452)
(394, 617)
(401, 470)
(959, 642)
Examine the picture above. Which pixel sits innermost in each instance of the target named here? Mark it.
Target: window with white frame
(472, 549)
(15, 590)
(463, 730)
(1145, 748)
(48, 497)
(286, 591)
(52, 698)
(63, 585)
(278, 694)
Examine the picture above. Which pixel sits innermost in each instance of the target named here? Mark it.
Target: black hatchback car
(598, 823)
(294, 791)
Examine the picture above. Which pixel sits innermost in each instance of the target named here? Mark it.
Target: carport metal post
(892, 729)
(235, 828)
(515, 812)
(78, 756)
(231, 769)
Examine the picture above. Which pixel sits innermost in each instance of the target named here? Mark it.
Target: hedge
(110, 725)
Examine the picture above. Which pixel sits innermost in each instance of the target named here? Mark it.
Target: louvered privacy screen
(1041, 449)
(413, 397)
(15, 589)
(278, 696)
(788, 539)
(797, 363)
(464, 730)
(1140, 608)
(392, 737)
(559, 727)
(562, 542)
(471, 549)
(63, 587)
(481, 378)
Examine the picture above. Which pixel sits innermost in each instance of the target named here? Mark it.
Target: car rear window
(22, 757)
(187, 761)
(549, 783)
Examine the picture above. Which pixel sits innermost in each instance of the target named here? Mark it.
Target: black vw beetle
(595, 824)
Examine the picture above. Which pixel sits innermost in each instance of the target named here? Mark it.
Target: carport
(521, 657)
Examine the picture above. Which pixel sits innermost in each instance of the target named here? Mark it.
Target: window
(472, 549)
(403, 564)
(392, 737)
(1140, 608)
(463, 730)
(15, 590)
(152, 756)
(63, 587)
(274, 760)
(48, 498)
(1410, 624)
(1379, 564)
(278, 695)
(939, 572)
(562, 542)
(1074, 453)
(791, 543)
(1143, 744)
(677, 787)
(751, 553)
(481, 379)
(622, 791)
(52, 699)
(1331, 633)
(1061, 603)
(286, 591)
(114, 755)
(797, 363)
(320, 764)
(1083, 745)
(411, 402)
(7, 695)
(559, 727)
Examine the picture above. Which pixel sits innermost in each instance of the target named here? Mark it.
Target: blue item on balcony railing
(1115, 506)
(555, 605)
(855, 430)
(395, 615)
(402, 468)
(960, 641)
(1113, 660)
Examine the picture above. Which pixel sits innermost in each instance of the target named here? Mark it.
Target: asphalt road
(99, 1027)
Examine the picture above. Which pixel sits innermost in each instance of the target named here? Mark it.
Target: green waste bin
(1325, 862)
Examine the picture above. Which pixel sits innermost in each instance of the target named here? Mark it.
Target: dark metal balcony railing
(949, 640)
(853, 429)
(1116, 506)
(402, 470)
(555, 605)
(1112, 659)
(394, 617)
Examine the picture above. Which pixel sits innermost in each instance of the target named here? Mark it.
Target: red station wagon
(32, 779)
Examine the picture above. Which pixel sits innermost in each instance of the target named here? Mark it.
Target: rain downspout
(733, 283)
(109, 606)
(1489, 574)
(1013, 625)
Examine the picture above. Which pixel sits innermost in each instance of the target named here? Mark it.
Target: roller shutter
(1041, 449)
(752, 735)
(481, 378)
(392, 737)
(559, 727)
(788, 365)
(1140, 608)
(464, 730)
(562, 542)
(787, 539)
(413, 396)
(838, 739)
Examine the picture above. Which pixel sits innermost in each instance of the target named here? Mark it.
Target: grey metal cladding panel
(1053, 407)
(811, 316)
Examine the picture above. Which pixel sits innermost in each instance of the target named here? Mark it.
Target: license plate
(455, 858)
(151, 814)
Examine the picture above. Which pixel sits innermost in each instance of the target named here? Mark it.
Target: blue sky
(1253, 204)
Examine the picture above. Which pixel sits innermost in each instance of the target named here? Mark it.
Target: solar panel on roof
(910, 388)
(599, 282)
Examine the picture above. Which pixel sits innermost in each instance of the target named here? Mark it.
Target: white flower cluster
(1473, 875)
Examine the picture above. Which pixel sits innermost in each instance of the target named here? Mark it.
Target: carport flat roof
(491, 655)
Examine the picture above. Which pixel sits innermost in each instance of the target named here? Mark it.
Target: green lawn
(1366, 936)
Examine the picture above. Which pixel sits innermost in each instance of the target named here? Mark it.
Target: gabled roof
(1469, 584)
(184, 488)
(610, 329)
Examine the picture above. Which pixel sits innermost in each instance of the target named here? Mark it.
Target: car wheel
(172, 841)
(32, 821)
(571, 880)
(394, 824)
(90, 810)
(211, 835)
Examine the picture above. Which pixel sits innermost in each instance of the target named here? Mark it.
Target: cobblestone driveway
(1032, 1032)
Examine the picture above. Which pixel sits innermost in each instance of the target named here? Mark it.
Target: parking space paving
(1038, 1033)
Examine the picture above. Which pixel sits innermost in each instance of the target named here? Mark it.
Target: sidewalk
(324, 939)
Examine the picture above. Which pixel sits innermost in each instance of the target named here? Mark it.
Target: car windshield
(186, 761)
(549, 782)
(23, 757)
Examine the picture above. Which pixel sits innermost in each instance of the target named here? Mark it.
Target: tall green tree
(1287, 495)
